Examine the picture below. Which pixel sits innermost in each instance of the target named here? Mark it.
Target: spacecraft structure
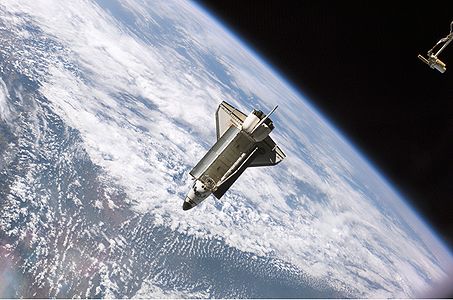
(433, 61)
(242, 141)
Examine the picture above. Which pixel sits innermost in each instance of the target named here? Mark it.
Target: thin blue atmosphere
(310, 104)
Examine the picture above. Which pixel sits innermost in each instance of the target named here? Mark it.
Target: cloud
(145, 110)
(4, 97)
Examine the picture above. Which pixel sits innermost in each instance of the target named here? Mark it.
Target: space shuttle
(242, 141)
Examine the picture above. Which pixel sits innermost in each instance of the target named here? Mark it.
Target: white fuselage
(225, 157)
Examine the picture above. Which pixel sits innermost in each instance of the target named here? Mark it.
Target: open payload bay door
(226, 184)
(227, 115)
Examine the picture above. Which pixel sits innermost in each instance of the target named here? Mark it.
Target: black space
(357, 62)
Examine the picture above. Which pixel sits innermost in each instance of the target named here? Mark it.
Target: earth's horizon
(105, 106)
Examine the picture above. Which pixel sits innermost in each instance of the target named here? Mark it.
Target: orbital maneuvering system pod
(242, 141)
(433, 61)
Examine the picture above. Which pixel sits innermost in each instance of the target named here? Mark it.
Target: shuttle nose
(186, 205)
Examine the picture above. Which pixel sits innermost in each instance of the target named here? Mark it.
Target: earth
(105, 106)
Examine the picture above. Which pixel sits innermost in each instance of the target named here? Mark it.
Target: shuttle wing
(269, 154)
(226, 116)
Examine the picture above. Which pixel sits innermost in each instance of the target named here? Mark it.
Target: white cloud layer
(144, 103)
